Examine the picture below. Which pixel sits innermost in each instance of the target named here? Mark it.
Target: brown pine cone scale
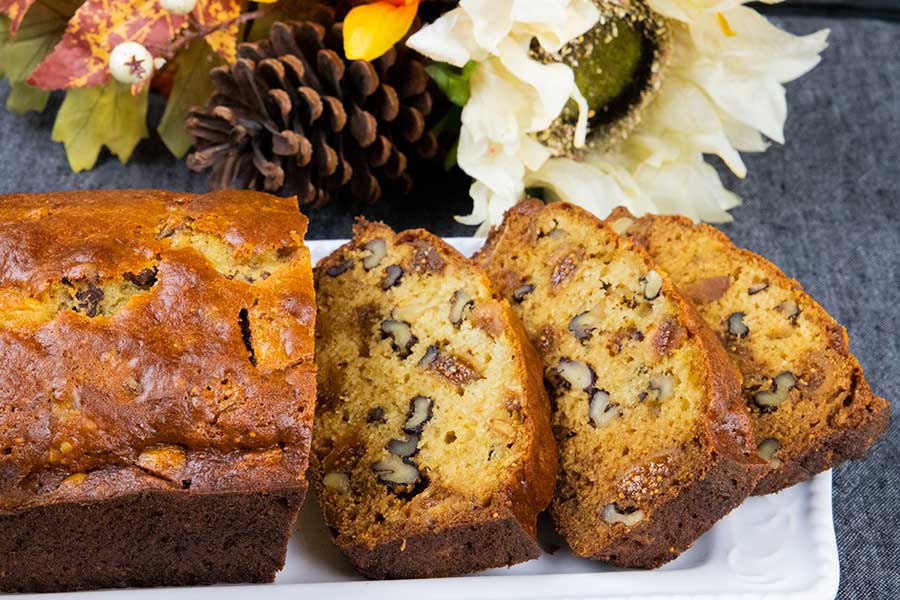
(292, 115)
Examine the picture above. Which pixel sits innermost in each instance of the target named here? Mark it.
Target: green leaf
(193, 87)
(109, 115)
(23, 98)
(38, 35)
(453, 82)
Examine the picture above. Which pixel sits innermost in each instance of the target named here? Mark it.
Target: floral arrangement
(708, 80)
(106, 55)
(597, 102)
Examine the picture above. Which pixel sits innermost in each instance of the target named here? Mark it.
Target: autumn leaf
(81, 59)
(193, 87)
(106, 115)
(22, 52)
(16, 10)
(215, 13)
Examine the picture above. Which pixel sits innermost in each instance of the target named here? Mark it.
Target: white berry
(178, 7)
(130, 63)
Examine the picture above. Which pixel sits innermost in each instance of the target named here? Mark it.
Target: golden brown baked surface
(810, 404)
(152, 342)
(654, 442)
(432, 448)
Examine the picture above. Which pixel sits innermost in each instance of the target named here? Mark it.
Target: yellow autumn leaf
(370, 30)
(106, 115)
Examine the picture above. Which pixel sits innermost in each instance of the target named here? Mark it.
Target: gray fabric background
(825, 208)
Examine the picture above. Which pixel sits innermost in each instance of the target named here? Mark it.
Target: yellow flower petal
(724, 25)
(372, 29)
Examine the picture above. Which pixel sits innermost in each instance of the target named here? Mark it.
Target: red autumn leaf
(220, 14)
(15, 10)
(82, 56)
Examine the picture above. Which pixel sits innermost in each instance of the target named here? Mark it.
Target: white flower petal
(492, 20)
(479, 194)
(595, 185)
(553, 83)
(449, 39)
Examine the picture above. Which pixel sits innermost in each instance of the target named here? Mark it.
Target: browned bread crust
(485, 458)
(156, 389)
(680, 495)
(830, 415)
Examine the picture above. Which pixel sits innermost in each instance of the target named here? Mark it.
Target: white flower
(723, 94)
(511, 95)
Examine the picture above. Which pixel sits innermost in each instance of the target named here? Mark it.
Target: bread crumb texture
(630, 380)
(810, 404)
(161, 334)
(429, 416)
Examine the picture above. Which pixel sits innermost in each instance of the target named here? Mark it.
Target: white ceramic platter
(780, 546)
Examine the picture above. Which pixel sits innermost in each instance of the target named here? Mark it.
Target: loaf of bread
(432, 451)
(654, 441)
(157, 387)
(810, 405)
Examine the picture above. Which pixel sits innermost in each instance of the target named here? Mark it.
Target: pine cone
(292, 115)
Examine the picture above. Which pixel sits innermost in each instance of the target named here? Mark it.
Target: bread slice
(433, 452)
(810, 405)
(654, 441)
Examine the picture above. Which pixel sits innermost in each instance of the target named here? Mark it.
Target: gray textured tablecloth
(825, 208)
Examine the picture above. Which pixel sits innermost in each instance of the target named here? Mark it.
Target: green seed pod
(618, 67)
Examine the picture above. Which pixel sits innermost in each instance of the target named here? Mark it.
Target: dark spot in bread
(89, 300)
(376, 415)
(143, 279)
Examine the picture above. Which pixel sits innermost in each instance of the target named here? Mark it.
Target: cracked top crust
(152, 340)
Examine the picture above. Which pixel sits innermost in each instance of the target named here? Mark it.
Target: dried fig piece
(392, 276)
(426, 258)
(613, 514)
(419, 413)
(339, 268)
(460, 303)
(651, 284)
(782, 384)
(564, 269)
(736, 326)
(521, 292)
(377, 251)
(708, 289)
(402, 338)
(453, 369)
(395, 470)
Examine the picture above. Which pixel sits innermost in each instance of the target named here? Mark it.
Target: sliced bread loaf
(654, 441)
(810, 405)
(432, 448)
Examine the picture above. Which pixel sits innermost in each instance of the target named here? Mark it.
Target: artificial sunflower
(609, 102)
